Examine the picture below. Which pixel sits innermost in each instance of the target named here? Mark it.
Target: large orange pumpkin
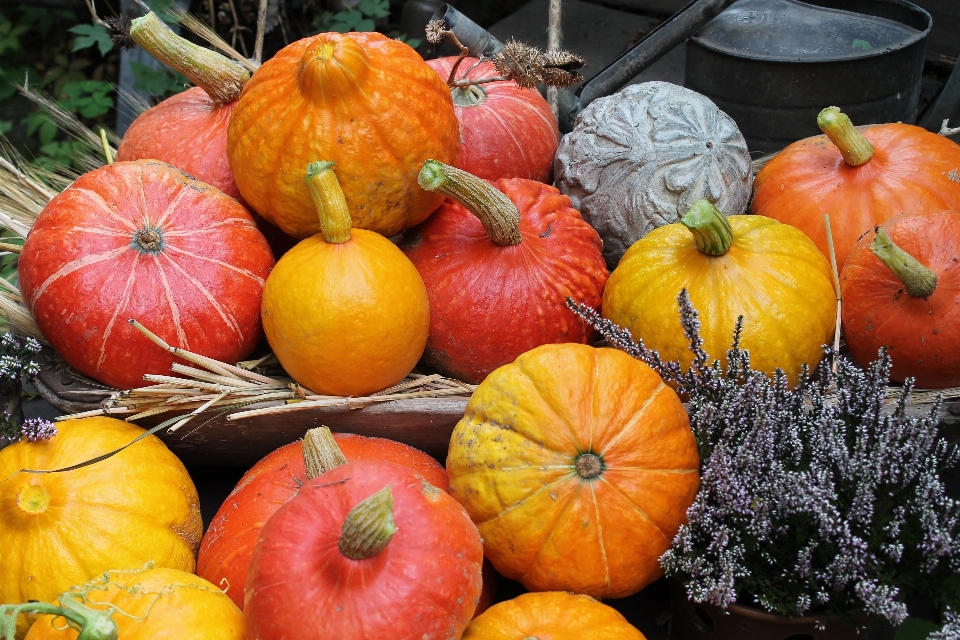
(577, 465)
(58, 529)
(901, 290)
(142, 240)
(367, 102)
(551, 614)
(860, 177)
(154, 604)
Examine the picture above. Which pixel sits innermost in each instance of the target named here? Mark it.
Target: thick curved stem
(919, 281)
(499, 216)
(855, 149)
(320, 452)
(710, 228)
(220, 77)
(331, 204)
(369, 526)
(94, 624)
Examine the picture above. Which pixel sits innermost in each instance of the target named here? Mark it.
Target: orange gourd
(345, 312)
(901, 290)
(367, 102)
(551, 614)
(154, 604)
(860, 177)
(58, 529)
(578, 465)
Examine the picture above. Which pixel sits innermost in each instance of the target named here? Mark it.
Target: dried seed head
(561, 59)
(521, 63)
(118, 28)
(435, 31)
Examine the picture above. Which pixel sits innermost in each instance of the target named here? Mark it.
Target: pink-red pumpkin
(506, 131)
(142, 240)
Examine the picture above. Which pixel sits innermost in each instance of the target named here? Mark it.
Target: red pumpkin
(491, 300)
(505, 131)
(901, 290)
(142, 240)
(368, 550)
(228, 544)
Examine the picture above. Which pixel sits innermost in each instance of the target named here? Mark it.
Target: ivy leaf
(89, 98)
(159, 82)
(92, 34)
(375, 8)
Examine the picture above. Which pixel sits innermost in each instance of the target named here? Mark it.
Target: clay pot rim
(758, 614)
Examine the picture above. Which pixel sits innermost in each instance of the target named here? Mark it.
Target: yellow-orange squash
(577, 465)
(367, 102)
(770, 273)
(345, 311)
(551, 615)
(154, 604)
(58, 529)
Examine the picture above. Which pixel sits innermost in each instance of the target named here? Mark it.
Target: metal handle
(475, 38)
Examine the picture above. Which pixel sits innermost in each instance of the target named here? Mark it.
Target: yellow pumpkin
(577, 465)
(154, 604)
(58, 529)
(551, 614)
(770, 273)
(345, 312)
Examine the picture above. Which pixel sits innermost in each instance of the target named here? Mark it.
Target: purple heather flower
(35, 429)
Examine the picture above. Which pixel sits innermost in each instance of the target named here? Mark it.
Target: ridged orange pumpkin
(154, 604)
(551, 614)
(577, 465)
(901, 290)
(367, 102)
(345, 312)
(860, 177)
(58, 529)
(770, 273)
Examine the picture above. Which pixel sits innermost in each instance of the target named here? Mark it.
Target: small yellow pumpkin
(58, 529)
(770, 273)
(153, 604)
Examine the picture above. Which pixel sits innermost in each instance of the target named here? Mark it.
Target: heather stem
(855, 149)
(369, 526)
(711, 230)
(918, 280)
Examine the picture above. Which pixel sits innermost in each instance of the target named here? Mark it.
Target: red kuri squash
(142, 240)
(368, 550)
(228, 544)
(901, 290)
(505, 131)
(498, 262)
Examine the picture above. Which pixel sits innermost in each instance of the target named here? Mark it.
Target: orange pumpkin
(58, 529)
(154, 604)
(577, 465)
(548, 615)
(860, 176)
(364, 101)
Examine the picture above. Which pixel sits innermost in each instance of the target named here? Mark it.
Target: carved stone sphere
(637, 160)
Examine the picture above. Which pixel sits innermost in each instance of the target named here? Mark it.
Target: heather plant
(812, 498)
(16, 363)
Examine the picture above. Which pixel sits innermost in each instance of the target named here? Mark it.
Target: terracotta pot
(694, 621)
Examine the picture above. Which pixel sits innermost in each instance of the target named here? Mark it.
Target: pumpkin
(551, 614)
(750, 266)
(506, 131)
(367, 102)
(375, 548)
(345, 312)
(638, 160)
(142, 240)
(228, 544)
(155, 604)
(860, 177)
(578, 465)
(498, 262)
(901, 290)
(57, 529)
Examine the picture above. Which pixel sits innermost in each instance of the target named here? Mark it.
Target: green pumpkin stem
(94, 624)
(320, 452)
(222, 78)
(855, 149)
(918, 280)
(331, 204)
(369, 526)
(499, 216)
(711, 230)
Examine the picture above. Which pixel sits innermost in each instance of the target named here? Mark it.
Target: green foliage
(361, 18)
(90, 35)
(158, 82)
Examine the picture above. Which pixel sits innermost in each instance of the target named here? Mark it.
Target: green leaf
(89, 98)
(344, 21)
(375, 8)
(91, 34)
(159, 82)
(5, 126)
